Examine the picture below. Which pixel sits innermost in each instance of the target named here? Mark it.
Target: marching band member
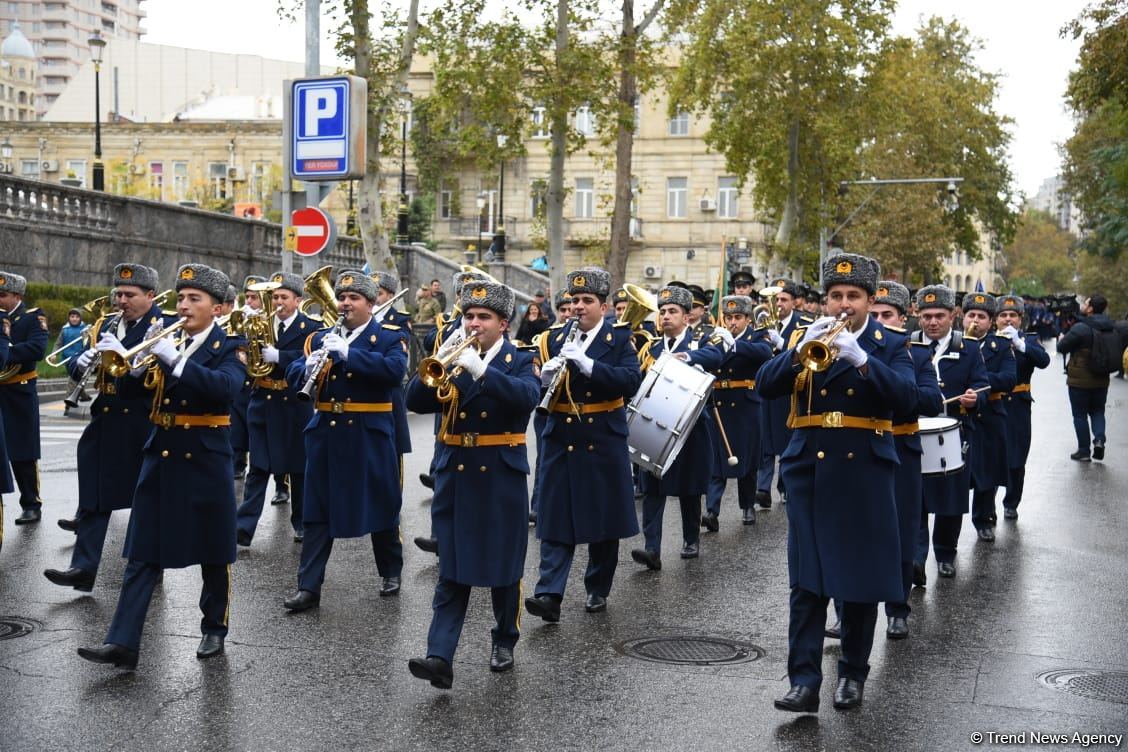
(563, 310)
(112, 446)
(481, 489)
(387, 285)
(688, 476)
(738, 403)
(990, 466)
(6, 485)
(774, 433)
(19, 396)
(184, 504)
(352, 476)
(276, 417)
(839, 471)
(586, 494)
(240, 440)
(1029, 354)
(962, 377)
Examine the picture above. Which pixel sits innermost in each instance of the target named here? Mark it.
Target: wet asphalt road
(998, 649)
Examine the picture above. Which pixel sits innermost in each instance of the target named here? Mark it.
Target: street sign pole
(312, 69)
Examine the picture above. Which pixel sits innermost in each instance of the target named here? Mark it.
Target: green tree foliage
(1107, 276)
(1039, 261)
(929, 112)
(421, 212)
(1096, 156)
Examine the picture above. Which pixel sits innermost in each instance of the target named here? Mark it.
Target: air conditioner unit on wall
(49, 165)
(236, 174)
(708, 205)
(652, 272)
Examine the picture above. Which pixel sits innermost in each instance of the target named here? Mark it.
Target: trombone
(818, 354)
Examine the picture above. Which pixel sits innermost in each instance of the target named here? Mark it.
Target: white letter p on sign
(321, 104)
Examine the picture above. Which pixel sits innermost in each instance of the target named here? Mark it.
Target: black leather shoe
(763, 499)
(432, 669)
(986, 534)
(430, 545)
(595, 603)
(1098, 450)
(710, 522)
(391, 586)
(799, 700)
(647, 557)
(116, 655)
(243, 538)
(920, 579)
(544, 606)
(71, 526)
(532, 518)
(1010, 514)
(834, 632)
(280, 498)
(898, 628)
(1078, 455)
(78, 579)
(428, 481)
(848, 694)
(748, 516)
(501, 659)
(299, 536)
(690, 551)
(303, 600)
(28, 517)
(210, 646)
(946, 570)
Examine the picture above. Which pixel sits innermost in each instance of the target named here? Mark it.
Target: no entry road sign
(315, 231)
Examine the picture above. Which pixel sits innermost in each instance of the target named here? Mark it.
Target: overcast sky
(1021, 42)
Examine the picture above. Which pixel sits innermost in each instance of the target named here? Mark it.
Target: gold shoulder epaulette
(557, 326)
(897, 329)
(621, 323)
(394, 327)
(919, 344)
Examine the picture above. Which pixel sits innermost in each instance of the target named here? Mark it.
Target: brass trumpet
(118, 365)
(435, 372)
(820, 353)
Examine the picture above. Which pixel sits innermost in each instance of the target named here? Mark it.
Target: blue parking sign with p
(325, 127)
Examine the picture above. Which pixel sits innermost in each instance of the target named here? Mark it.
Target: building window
(679, 124)
(585, 198)
(726, 197)
(179, 180)
(156, 180)
(217, 178)
(677, 192)
(540, 125)
(637, 113)
(260, 181)
(537, 189)
(29, 168)
(446, 204)
(585, 121)
(78, 167)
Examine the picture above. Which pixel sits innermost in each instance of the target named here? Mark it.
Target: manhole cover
(12, 627)
(690, 650)
(1095, 684)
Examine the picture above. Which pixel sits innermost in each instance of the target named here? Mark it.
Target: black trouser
(26, 473)
(806, 627)
(1014, 488)
(983, 508)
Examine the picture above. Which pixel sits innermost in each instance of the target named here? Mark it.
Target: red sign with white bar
(312, 226)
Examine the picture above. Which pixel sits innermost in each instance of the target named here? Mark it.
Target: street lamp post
(499, 232)
(481, 202)
(97, 45)
(401, 223)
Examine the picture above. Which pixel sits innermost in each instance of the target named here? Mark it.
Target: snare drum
(942, 446)
(663, 412)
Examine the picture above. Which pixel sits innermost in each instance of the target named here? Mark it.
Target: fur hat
(674, 295)
(736, 304)
(13, 283)
(144, 277)
(1010, 303)
(386, 280)
(620, 296)
(460, 278)
(351, 280)
(492, 295)
(203, 277)
(935, 296)
(787, 286)
(851, 269)
(979, 301)
(561, 298)
(892, 293)
(232, 294)
(289, 281)
(590, 279)
(252, 279)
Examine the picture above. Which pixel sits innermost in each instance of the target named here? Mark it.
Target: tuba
(319, 292)
(767, 314)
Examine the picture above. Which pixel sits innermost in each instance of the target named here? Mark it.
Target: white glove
(335, 343)
(1016, 339)
(849, 349)
(818, 329)
(775, 338)
(165, 351)
(550, 368)
(85, 359)
(575, 354)
(270, 354)
(726, 337)
(109, 343)
(313, 361)
(471, 362)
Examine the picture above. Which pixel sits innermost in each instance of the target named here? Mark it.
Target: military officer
(481, 488)
(839, 473)
(352, 483)
(563, 312)
(240, 441)
(275, 415)
(774, 434)
(387, 285)
(586, 494)
(688, 477)
(184, 504)
(699, 320)
(111, 449)
(19, 398)
(6, 485)
(990, 466)
(738, 404)
(742, 283)
(1029, 354)
(963, 379)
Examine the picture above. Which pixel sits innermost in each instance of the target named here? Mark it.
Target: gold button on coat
(821, 454)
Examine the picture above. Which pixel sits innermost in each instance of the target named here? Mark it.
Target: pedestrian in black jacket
(1088, 389)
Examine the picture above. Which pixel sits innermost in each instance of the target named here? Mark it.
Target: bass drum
(664, 411)
(942, 446)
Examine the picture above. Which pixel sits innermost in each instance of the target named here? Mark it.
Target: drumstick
(732, 460)
(950, 400)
